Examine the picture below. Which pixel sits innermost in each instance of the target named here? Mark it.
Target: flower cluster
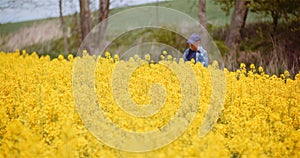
(260, 117)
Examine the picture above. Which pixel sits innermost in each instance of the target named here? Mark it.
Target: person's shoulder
(202, 49)
(187, 50)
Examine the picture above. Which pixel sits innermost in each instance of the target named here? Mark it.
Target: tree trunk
(203, 21)
(238, 20)
(75, 32)
(64, 28)
(85, 18)
(202, 13)
(275, 18)
(103, 9)
(103, 15)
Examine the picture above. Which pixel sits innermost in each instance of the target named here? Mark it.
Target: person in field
(195, 51)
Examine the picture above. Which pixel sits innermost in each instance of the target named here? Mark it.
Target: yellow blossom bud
(116, 57)
(60, 57)
(164, 52)
(84, 53)
(70, 57)
(286, 74)
(148, 57)
(260, 69)
(242, 66)
(107, 54)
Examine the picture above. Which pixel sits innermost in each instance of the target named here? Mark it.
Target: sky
(24, 10)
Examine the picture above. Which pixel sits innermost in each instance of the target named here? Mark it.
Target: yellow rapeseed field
(260, 118)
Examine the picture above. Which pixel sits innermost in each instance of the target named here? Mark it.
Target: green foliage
(222, 47)
(226, 5)
(13, 27)
(280, 8)
(146, 35)
(277, 9)
(276, 51)
(214, 14)
(53, 48)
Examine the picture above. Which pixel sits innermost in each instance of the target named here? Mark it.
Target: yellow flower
(84, 53)
(242, 66)
(192, 60)
(60, 57)
(107, 54)
(169, 57)
(39, 119)
(136, 57)
(164, 52)
(116, 57)
(215, 64)
(286, 74)
(260, 69)
(252, 66)
(24, 52)
(147, 57)
(70, 57)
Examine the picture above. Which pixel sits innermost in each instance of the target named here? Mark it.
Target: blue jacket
(199, 55)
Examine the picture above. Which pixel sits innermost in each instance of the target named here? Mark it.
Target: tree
(103, 14)
(63, 25)
(203, 22)
(225, 5)
(277, 9)
(85, 18)
(202, 13)
(238, 19)
(103, 9)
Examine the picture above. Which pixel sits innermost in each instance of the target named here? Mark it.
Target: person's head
(193, 41)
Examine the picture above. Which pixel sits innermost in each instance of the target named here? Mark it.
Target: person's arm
(199, 58)
(185, 54)
(205, 56)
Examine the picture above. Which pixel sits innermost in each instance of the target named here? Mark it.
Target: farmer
(195, 51)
